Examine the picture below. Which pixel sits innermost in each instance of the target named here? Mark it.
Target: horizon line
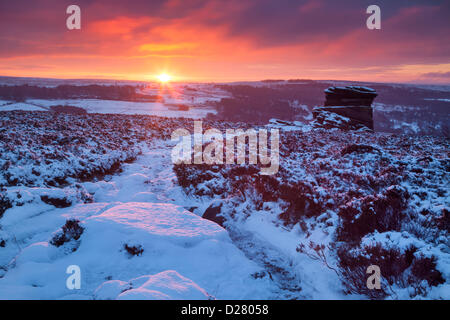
(225, 81)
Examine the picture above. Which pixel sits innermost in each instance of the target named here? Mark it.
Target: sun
(164, 77)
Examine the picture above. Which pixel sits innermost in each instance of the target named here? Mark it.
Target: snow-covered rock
(204, 261)
(167, 285)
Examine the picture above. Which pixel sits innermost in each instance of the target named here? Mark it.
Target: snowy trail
(143, 206)
(148, 179)
(155, 180)
(274, 249)
(273, 261)
(151, 178)
(160, 182)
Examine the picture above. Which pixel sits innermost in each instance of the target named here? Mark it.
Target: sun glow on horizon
(164, 77)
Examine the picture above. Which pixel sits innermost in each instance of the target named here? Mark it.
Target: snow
(288, 125)
(322, 177)
(172, 239)
(432, 99)
(20, 106)
(111, 106)
(167, 285)
(159, 220)
(321, 282)
(199, 98)
(184, 257)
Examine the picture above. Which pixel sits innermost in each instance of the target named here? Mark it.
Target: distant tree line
(22, 92)
(259, 104)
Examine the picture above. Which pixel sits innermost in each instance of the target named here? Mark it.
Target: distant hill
(412, 109)
(93, 91)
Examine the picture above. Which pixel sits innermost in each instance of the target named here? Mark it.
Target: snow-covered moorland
(345, 201)
(101, 192)
(98, 191)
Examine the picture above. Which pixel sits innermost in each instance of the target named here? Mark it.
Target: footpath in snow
(140, 240)
(137, 242)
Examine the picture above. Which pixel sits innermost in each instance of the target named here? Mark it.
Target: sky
(232, 40)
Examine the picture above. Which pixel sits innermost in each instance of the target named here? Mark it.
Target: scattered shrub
(359, 148)
(213, 213)
(258, 275)
(56, 202)
(68, 109)
(443, 221)
(384, 212)
(5, 202)
(424, 268)
(52, 147)
(70, 231)
(401, 269)
(134, 250)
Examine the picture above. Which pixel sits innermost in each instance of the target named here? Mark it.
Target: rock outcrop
(352, 102)
(329, 120)
(213, 213)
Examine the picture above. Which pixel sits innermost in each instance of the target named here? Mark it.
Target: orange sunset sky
(196, 40)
